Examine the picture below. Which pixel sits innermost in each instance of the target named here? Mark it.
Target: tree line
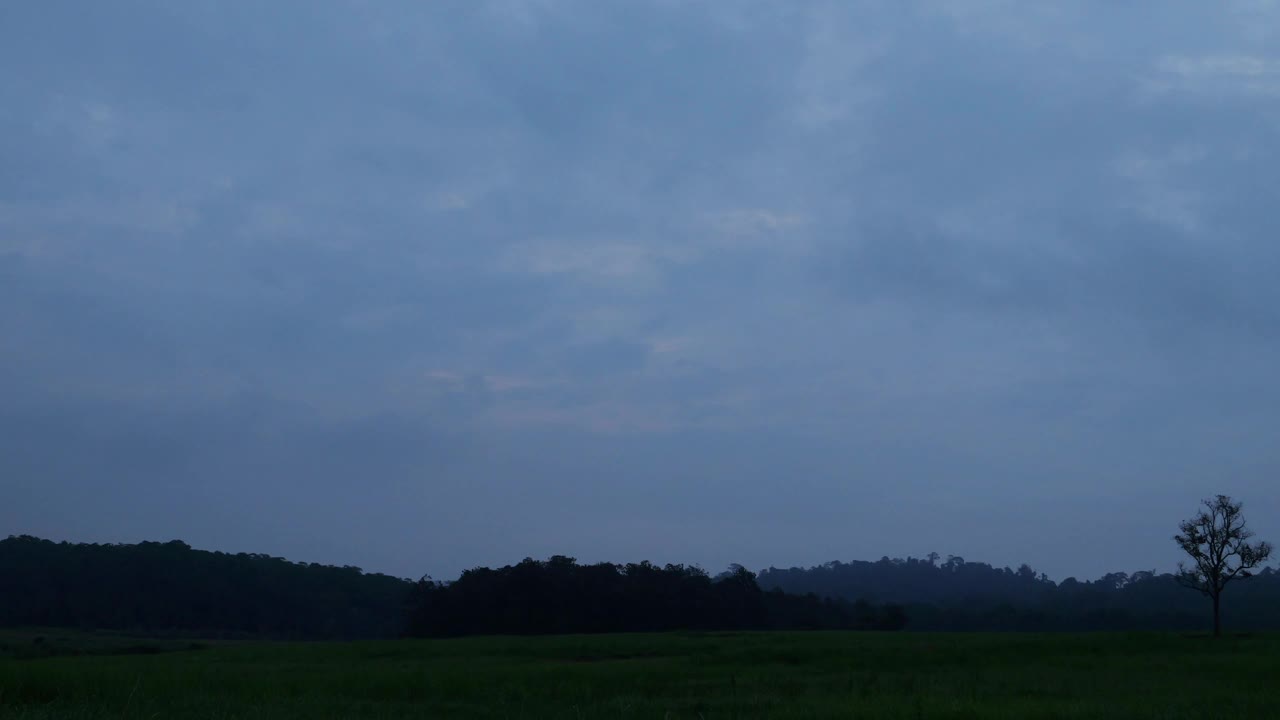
(561, 596)
(954, 594)
(171, 588)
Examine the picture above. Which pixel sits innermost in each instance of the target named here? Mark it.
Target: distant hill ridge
(961, 595)
(171, 588)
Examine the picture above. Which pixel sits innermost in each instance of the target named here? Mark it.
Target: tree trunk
(1217, 616)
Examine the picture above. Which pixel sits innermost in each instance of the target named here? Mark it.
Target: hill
(960, 595)
(170, 588)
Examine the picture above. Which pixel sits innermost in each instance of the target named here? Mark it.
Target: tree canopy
(956, 594)
(560, 596)
(170, 588)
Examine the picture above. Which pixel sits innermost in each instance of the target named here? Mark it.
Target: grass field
(785, 675)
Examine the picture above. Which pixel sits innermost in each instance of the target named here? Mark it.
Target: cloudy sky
(418, 286)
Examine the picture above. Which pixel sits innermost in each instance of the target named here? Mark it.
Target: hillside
(160, 588)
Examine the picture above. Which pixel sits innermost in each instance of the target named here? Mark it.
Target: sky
(422, 286)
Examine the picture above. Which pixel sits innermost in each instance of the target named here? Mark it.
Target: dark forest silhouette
(561, 596)
(170, 588)
(958, 595)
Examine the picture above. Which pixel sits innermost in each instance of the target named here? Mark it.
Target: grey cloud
(426, 286)
(1119, 268)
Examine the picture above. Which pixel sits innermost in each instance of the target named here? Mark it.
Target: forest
(560, 596)
(959, 595)
(172, 589)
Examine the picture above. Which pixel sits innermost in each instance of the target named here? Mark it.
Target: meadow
(706, 675)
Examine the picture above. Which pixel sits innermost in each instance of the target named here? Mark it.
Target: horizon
(415, 285)
(942, 559)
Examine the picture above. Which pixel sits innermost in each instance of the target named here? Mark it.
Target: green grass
(749, 675)
(29, 643)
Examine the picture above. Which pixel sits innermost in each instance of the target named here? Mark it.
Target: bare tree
(1218, 542)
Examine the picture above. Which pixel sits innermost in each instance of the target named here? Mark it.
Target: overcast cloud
(418, 286)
